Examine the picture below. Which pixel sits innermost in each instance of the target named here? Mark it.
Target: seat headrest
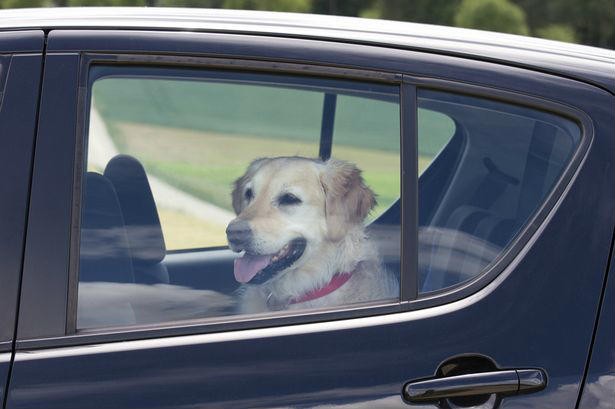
(104, 252)
(139, 209)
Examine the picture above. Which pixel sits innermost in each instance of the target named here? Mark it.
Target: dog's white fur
(334, 204)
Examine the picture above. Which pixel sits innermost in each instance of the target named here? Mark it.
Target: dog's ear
(348, 200)
(237, 195)
(237, 198)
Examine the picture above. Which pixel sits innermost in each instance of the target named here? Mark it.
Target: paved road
(101, 149)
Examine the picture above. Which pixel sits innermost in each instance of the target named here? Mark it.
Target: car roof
(590, 64)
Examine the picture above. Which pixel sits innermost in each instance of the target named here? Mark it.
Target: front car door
(20, 72)
(501, 257)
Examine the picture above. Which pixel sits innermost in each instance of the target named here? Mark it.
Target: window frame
(524, 237)
(419, 69)
(409, 297)
(215, 324)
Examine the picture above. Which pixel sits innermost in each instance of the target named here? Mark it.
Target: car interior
(477, 194)
(474, 197)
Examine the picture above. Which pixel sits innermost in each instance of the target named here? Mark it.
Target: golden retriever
(300, 224)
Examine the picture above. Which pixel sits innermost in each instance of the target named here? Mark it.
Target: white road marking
(101, 149)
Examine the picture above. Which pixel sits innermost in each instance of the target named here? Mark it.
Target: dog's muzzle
(239, 234)
(258, 268)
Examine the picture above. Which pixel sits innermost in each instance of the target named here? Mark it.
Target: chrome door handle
(508, 382)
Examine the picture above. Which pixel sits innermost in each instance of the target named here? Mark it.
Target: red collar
(336, 282)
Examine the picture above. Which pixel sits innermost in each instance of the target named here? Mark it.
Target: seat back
(104, 252)
(142, 223)
(105, 265)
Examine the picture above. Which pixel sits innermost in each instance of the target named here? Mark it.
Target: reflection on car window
(435, 131)
(2, 75)
(478, 192)
(296, 174)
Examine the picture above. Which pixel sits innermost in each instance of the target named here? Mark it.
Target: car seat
(104, 260)
(141, 220)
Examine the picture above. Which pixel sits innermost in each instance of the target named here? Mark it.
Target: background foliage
(589, 22)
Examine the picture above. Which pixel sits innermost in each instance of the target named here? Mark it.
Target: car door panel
(368, 360)
(5, 363)
(600, 380)
(538, 313)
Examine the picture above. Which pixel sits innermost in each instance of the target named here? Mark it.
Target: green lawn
(201, 136)
(205, 165)
(263, 112)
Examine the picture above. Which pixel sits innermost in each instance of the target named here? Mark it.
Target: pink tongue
(247, 266)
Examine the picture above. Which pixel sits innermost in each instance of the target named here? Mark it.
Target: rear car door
(600, 378)
(506, 201)
(20, 71)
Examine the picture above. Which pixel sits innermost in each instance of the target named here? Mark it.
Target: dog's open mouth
(257, 268)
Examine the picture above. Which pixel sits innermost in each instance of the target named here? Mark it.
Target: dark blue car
(125, 135)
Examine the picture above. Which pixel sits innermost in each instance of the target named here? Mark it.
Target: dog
(300, 224)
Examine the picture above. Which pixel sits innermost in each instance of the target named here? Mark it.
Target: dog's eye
(249, 194)
(288, 199)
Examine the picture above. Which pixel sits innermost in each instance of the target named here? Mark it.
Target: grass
(200, 136)
(183, 231)
(259, 111)
(251, 111)
(205, 165)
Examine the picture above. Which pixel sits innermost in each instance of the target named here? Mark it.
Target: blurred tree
(419, 11)
(593, 21)
(340, 7)
(104, 3)
(559, 32)
(302, 6)
(9, 4)
(492, 15)
(190, 3)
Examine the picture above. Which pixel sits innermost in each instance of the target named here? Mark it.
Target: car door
(598, 387)
(504, 244)
(20, 70)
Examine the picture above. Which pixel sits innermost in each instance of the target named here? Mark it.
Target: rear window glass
(499, 164)
(435, 131)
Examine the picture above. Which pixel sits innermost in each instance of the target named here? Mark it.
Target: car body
(539, 315)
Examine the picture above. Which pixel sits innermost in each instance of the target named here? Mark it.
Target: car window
(366, 132)
(498, 167)
(294, 174)
(435, 131)
(198, 136)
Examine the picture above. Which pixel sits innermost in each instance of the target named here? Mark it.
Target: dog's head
(288, 207)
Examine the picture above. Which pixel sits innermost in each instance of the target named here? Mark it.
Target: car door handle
(509, 382)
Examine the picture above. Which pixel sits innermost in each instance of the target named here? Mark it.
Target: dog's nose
(238, 232)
